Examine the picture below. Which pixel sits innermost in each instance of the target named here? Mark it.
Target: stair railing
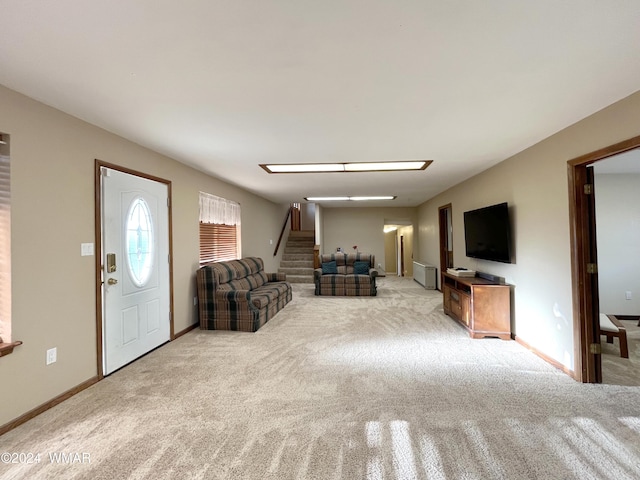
(290, 213)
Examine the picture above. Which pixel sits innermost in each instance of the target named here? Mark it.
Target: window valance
(218, 210)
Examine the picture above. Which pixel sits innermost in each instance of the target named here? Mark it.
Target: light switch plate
(52, 356)
(86, 249)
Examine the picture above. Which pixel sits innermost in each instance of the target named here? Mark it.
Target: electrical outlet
(627, 295)
(52, 355)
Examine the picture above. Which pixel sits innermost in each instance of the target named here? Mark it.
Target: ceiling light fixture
(385, 166)
(346, 167)
(349, 199)
(304, 168)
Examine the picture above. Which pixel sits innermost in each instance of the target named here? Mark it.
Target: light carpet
(386, 387)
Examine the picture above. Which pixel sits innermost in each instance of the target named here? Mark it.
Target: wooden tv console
(482, 306)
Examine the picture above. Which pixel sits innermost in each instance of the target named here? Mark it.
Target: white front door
(135, 259)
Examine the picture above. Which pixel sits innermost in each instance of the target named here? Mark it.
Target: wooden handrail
(284, 227)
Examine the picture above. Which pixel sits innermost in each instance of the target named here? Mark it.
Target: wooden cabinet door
(465, 310)
(446, 300)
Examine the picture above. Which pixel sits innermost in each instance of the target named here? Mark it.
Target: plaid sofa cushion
(356, 285)
(236, 269)
(262, 296)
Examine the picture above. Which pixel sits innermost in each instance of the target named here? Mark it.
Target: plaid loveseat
(239, 295)
(350, 274)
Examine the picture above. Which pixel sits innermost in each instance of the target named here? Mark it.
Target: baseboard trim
(66, 395)
(186, 330)
(46, 406)
(546, 358)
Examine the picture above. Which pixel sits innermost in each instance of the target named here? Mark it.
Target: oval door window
(139, 241)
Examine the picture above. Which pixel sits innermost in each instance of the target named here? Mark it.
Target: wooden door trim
(444, 234)
(586, 367)
(98, 251)
(401, 239)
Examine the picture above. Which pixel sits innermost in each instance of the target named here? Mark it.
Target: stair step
(297, 256)
(302, 233)
(298, 250)
(296, 264)
(300, 244)
(299, 279)
(297, 271)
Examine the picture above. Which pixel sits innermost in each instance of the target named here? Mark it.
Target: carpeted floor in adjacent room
(339, 388)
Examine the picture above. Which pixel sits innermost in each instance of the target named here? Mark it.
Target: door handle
(112, 281)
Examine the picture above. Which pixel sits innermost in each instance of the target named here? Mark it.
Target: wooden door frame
(587, 365)
(401, 254)
(98, 251)
(444, 236)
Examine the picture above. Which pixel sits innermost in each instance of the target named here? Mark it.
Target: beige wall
(318, 226)
(307, 216)
(389, 262)
(534, 182)
(364, 227)
(53, 299)
(618, 236)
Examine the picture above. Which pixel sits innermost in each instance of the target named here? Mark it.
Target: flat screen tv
(487, 233)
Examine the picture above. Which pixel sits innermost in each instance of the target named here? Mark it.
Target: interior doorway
(390, 249)
(584, 260)
(398, 238)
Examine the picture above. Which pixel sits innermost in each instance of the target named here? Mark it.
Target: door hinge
(168, 202)
(592, 268)
(588, 188)
(595, 348)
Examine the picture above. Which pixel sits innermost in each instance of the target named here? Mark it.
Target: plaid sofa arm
(373, 273)
(276, 277)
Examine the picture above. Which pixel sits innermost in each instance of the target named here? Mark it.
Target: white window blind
(219, 229)
(5, 249)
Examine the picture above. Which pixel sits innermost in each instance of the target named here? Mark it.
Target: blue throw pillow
(361, 268)
(329, 268)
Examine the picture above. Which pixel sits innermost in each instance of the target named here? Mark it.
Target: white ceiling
(226, 85)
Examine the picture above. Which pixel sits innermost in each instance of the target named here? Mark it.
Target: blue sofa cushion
(329, 268)
(361, 268)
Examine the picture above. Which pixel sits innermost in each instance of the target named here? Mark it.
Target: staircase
(297, 258)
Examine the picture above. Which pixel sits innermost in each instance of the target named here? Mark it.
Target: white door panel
(136, 317)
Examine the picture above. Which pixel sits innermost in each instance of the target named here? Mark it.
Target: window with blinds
(5, 241)
(219, 229)
(217, 242)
